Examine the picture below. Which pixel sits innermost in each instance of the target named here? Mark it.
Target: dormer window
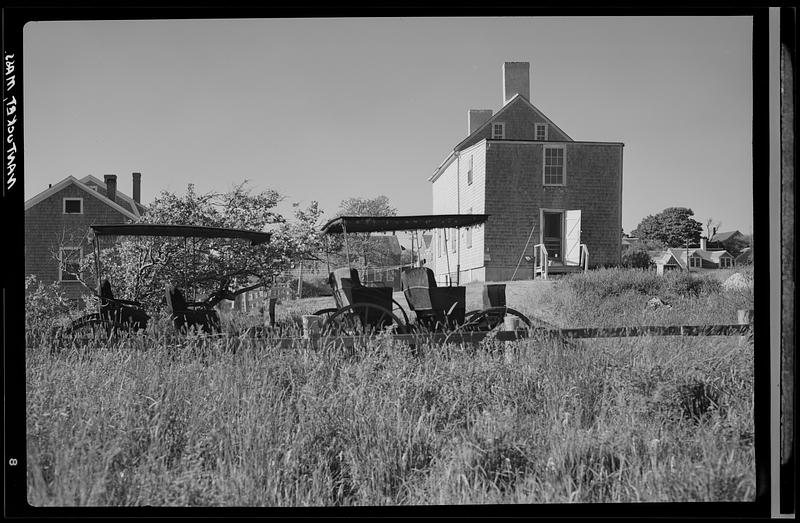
(498, 131)
(73, 206)
(541, 132)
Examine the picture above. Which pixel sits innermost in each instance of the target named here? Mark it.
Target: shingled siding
(46, 224)
(520, 124)
(515, 193)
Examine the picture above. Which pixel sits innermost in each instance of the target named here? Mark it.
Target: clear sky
(326, 109)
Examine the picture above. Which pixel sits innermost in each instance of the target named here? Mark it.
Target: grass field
(155, 421)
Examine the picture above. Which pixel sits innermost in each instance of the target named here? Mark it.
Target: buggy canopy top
(179, 231)
(401, 223)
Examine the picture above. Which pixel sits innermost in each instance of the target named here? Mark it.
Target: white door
(572, 237)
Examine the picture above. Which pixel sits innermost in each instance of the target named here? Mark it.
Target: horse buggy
(363, 308)
(117, 314)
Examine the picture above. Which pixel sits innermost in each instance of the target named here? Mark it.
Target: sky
(327, 109)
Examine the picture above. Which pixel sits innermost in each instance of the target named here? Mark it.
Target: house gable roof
(724, 236)
(71, 180)
(136, 208)
(516, 100)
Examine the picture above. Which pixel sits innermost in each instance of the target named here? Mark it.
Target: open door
(572, 237)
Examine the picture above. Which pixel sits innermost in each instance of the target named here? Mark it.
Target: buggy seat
(189, 314)
(348, 290)
(126, 312)
(432, 304)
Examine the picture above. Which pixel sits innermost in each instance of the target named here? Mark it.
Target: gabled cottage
(551, 199)
(698, 259)
(57, 221)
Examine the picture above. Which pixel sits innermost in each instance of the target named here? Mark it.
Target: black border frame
(15, 501)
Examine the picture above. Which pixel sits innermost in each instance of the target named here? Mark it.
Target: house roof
(71, 180)
(716, 255)
(516, 99)
(666, 258)
(136, 208)
(723, 236)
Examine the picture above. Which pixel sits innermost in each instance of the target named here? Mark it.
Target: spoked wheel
(361, 319)
(326, 314)
(489, 319)
(93, 326)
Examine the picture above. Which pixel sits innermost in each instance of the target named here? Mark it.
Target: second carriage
(363, 308)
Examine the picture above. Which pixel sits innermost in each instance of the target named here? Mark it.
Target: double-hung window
(469, 172)
(554, 166)
(541, 132)
(498, 131)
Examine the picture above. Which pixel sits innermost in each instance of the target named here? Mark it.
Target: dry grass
(160, 420)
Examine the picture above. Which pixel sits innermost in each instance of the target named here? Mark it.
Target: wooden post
(272, 302)
(312, 329)
(746, 318)
(300, 281)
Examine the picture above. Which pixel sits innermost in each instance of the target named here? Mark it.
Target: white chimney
(703, 243)
(516, 80)
(476, 118)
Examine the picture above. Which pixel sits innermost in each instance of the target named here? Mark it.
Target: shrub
(635, 258)
(691, 285)
(44, 303)
(614, 282)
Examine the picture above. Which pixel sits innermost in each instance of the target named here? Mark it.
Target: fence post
(272, 302)
(312, 329)
(746, 318)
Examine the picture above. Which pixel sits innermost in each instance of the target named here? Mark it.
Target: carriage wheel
(398, 311)
(93, 326)
(362, 319)
(326, 314)
(491, 318)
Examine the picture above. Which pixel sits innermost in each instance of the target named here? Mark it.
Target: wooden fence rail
(313, 334)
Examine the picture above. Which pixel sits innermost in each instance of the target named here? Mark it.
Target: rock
(655, 303)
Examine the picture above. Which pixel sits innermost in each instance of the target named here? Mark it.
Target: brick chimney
(111, 186)
(516, 79)
(137, 187)
(476, 118)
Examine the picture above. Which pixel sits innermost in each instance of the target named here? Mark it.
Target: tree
(673, 227)
(215, 269)
(711, 227)
(378, 206)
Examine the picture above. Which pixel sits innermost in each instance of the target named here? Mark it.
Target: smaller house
(693, 259)
(731, 241)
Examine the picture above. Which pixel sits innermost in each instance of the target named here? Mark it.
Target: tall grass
(146, 421)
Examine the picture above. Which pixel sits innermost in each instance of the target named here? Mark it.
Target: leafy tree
(213, 268)
(673, 227)
(359, 242)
